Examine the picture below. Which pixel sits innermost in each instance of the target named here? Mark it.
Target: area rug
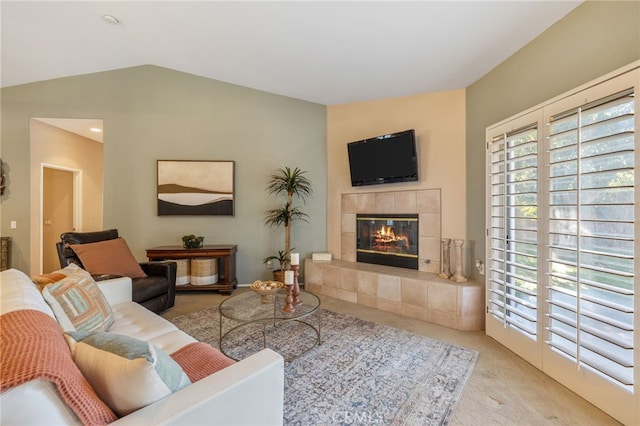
(361, 373)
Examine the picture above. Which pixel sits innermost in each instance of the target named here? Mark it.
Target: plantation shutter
(591, 237)
(512, 232)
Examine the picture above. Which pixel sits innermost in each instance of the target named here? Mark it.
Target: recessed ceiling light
(96, 130)
(111, 19)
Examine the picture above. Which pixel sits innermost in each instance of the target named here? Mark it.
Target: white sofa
(249, 392)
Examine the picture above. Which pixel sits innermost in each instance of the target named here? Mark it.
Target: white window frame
(619, 403)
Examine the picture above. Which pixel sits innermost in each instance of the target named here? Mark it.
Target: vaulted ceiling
(328, 52)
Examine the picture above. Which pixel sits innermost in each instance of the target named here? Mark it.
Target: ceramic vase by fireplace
(457, 274)
(445, 266)
(445, 252)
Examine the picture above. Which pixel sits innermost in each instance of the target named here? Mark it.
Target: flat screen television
(384, 159)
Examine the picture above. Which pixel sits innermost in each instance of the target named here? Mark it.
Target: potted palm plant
(289, 183)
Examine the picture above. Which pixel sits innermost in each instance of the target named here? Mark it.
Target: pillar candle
(295, 258)
(288, 277)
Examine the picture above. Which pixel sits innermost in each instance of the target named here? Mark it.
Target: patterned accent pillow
(108, 257)
(126, 373)
(52, 277)
(78, 303)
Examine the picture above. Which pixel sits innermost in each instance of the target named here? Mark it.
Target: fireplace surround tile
(443, 296)
(384, 203)
(349, 281)
(405, 202)
(389, 288)
(471, 323)
(366, 203)
(348, 222)
(417, 294)
(414, 293)
(367, 300)
(390, 306)
(348, 255)
(412, 311)
(422, 295)
(428, 201)
(313, 288)
(348, 241)
(330, 277)
(348, 296)
(470, 301)
(429, 249)
(445, 319)
(349, 203)
(430, 225)
(368, 283)
(330, 291)
(313, 273)
(432, 267)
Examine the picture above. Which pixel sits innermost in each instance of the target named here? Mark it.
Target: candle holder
(296, 287)
(288, 300)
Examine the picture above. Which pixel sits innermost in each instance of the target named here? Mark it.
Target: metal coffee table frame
(247, 308)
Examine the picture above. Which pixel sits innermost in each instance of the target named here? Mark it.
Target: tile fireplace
(425, 203)
(387, 239)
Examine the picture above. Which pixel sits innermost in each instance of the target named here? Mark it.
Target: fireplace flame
(387, 232)
(386, 235)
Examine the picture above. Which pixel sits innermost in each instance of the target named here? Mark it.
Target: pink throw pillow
(108, 257)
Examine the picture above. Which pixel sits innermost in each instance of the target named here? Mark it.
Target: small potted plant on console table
(191, 241)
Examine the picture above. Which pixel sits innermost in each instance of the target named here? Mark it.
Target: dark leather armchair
(156, 292)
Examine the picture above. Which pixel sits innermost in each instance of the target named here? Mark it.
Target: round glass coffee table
(248, 325)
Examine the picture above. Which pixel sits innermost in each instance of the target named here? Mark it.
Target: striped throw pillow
(49, 278)
(78, 303)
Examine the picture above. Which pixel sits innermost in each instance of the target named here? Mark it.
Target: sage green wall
(152, 113)
(594, 39)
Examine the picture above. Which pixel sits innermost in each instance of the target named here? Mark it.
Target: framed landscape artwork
(195, 187)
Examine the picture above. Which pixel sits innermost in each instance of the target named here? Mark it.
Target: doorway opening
(60, 212)
(66, 184)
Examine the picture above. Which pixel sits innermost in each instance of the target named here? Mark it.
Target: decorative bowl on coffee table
(266, 289)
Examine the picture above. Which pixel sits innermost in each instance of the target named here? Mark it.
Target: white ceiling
(328, 52)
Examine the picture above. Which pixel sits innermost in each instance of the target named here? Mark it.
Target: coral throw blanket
(32, 345)
(198, 360)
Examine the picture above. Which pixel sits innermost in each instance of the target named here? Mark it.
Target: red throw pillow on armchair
(108, 257)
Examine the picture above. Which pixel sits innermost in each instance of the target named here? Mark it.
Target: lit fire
(386, 235)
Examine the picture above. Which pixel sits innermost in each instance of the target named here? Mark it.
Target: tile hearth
(414, 294)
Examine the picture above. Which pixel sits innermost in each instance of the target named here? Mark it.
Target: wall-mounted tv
(384, 159)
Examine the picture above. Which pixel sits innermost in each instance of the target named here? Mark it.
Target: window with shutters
(513, 278)
(563, 259)
(591, 236)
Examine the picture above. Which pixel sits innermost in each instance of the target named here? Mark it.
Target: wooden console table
(225, 254)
